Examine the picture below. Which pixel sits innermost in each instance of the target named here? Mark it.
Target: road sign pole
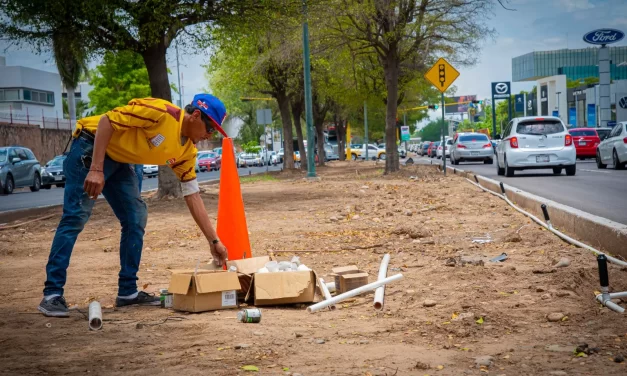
(493, 116)
(366, 128)
(443, 137)
(525, 104)
(311, 168)
(405, 124)
(509, 107)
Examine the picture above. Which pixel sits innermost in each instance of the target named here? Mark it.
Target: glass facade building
(575, 64)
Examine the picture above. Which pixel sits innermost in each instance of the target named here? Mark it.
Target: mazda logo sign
(623, 102)
(501, 88)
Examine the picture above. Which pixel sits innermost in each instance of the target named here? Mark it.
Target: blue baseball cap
(213, 108)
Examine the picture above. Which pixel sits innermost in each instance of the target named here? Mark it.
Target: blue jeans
(122, 194)
(139, 171)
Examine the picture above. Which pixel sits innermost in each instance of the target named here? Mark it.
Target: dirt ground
(352, 216)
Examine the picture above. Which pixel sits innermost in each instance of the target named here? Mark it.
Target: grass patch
(257, 178)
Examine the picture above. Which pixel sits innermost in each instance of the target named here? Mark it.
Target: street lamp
(311, 168)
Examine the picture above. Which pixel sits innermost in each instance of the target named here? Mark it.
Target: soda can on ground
(249, 315)
(165, 298)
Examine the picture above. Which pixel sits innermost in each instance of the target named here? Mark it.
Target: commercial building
(575, 64)
(29, 91)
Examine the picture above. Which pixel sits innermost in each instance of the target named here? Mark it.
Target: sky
(535, 25)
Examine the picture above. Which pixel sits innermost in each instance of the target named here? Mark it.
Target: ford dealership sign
(603, 36)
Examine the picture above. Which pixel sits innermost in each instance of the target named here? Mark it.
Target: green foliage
(81, 108)
(120, 78)
(251, 146)
(433, 130)
(582, 82)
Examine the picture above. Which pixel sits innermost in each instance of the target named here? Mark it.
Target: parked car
(249, 159)
(281, 155)
(330, 154)
(52, 173)
(424, 148)
(209, 162)
(447, 148)
(536, 143)
(613, 150)
(471, 147)
(603, 132)
(19, 168)
(359, 151)
(150, 170)
(433, 147)
(586, 141)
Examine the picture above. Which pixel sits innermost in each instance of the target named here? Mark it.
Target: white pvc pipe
(326, 293)
(95, 316)
(616, 295)
(331, 286)
(610, 304)
(550, 228)
(379, 293)
(351, 293)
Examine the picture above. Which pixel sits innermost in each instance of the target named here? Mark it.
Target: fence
(14, 117)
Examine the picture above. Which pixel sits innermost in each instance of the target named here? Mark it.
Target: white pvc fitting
(351, 293)
(95, 316)
(331, 286)
(610, 304)
(326, 293)
(379, 293)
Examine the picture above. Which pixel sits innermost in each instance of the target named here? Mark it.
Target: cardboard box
(351, 281)
(283, 288)
(205, 291)
(341, 270)
(245, 270)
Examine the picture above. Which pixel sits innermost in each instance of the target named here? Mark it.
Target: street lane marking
(602, 172)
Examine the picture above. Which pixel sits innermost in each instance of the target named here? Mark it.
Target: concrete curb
(598, 232)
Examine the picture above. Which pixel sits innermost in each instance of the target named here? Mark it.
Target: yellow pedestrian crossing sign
(441, 75)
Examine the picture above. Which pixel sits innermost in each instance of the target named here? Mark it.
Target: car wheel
(616, 162)
(9, 185)
(354, 157)
(557, 170)
(60, 185)
(36, 183)
(600, 163)
(382, 157)
(509, 172)
(499, 171)
(488, 161)
(571, 170)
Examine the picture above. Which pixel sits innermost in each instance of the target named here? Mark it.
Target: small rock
(409, 213)
(259, 334)
(364, 187)
(410, 292)
(182, 244)
(364, 342)
(333, 219)
(242, 346)
(320, 341)
(555, 316)
(505, 225)
(619, 358)
(139, 326)
(429, 303)
(466, 305)
(539, 289)
(545, 296)
(558, 373)
(562, 293)
(356, 217)
(485, 361)
(376, 220)
(298, 335)
(562, 263)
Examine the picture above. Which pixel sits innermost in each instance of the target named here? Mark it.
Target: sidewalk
(425, 221)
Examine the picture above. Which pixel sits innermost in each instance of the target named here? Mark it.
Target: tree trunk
(340, 131)
(391, 68)
(297, 111)
(154, 58)
(320, 143)
(71, 106)
(286, 118)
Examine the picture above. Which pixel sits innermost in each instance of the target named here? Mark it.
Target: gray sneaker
(54, 307)
(142, 298)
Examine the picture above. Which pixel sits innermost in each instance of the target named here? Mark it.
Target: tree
(250, 130)
(432, 131)
(81, 108)
(146, 27)
(119, 78)
(404, 35)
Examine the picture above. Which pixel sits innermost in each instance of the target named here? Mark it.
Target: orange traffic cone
(232, 229)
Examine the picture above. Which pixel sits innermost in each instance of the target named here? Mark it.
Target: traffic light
(477, 101)
(433, 106)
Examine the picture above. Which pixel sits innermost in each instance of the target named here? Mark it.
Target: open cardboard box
(205, 291)
(245, 270)
(283, 288)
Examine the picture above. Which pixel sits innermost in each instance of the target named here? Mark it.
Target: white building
(27, 91)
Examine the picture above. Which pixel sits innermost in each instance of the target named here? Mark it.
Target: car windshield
(539, 127)
(3, 155)
(473, 138)
(202, 156)
(603, 133)
(56, 162)
(436, 143)
(584, 132)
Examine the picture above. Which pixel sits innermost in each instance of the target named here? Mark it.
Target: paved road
(599, 192)
(25, 199)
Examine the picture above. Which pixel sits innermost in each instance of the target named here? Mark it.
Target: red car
(586, 141)
(209, 162)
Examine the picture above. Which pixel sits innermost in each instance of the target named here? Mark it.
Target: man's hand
(94, 183)
(219, 253)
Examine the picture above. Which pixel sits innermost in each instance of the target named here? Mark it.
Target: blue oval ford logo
(603, 36)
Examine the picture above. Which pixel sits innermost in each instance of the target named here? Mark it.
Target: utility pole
(311, 168)
(178, 75)
(366, 127)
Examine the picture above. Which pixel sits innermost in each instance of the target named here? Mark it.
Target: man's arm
(197, 209)
(94, 183)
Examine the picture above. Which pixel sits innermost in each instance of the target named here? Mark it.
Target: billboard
(457, 108)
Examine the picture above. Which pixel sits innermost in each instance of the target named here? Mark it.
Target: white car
(613, 150)
(249, 159)
(438, 152)
(471, 147)
(151, 170)
(536, 143)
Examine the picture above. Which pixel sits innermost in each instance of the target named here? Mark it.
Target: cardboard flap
(180, 283)
(250, 265)
(216, 281)
(282, 285)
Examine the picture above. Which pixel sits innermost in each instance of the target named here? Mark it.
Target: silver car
(19, 168)
(536, 143)
(613, 149)
(471, 147)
